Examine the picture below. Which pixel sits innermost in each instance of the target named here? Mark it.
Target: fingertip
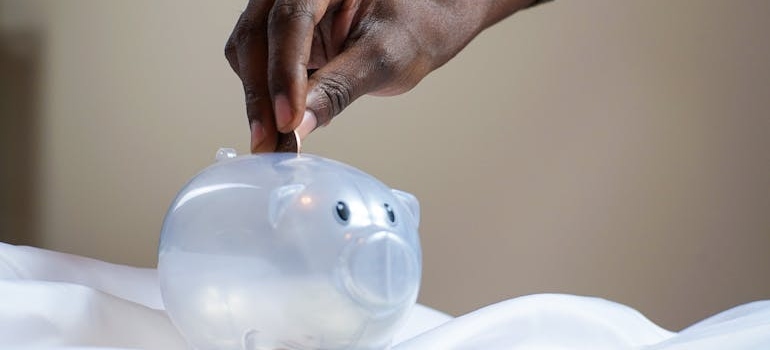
(307, 125)
(257, 135)
(319, 106)
(283, 113)
(261, 141)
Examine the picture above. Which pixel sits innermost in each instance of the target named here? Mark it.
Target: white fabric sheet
(50, 300)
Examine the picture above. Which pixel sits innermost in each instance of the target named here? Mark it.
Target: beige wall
(606, 148)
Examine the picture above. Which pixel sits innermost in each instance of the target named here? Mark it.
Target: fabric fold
(51, 300)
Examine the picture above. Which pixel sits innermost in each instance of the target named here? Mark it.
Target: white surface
(54, 300)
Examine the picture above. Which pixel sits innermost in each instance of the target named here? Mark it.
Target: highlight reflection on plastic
(287, 251)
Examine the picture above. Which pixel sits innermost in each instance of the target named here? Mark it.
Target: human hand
(352, 48)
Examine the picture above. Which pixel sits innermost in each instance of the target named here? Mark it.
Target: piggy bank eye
(391, 213)
(342, 212)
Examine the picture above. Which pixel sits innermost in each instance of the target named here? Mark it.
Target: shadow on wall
(20, 61)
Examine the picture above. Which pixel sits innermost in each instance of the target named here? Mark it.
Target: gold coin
(298, 141)
(289, 142)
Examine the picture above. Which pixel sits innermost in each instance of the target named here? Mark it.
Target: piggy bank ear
(280, 199)
(410, 203)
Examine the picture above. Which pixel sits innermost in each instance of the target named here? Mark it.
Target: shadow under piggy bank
(287, 251)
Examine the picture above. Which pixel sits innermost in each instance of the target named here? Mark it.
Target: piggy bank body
(287, 251)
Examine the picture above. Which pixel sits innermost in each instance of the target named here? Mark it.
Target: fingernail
(257, 134)
(307, 125)
(312, 99)
(282, 112)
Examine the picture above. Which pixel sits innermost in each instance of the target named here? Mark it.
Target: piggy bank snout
(380, 271)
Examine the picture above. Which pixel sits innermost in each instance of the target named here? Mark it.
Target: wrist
(465, 19)
(496, 10)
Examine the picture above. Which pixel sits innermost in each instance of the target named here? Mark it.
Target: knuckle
(244, 31)
(287, 11)
(251, 93)
(230, 51)
(337, 90)
(384, 61)
(402, 68)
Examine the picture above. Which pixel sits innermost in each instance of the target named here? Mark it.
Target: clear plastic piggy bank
(287, 251)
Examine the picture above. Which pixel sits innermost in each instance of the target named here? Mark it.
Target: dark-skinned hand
(352, 48)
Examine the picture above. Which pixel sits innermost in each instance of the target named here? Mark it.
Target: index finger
(249, 43)
(291, 24)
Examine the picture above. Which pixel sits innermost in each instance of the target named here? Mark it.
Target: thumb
(355, 72)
